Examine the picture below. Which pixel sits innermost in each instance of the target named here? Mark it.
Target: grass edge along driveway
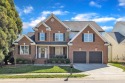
(119, 65)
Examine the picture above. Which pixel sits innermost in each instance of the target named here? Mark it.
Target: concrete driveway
(101, 71)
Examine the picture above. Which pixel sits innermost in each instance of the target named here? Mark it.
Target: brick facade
(78, 44)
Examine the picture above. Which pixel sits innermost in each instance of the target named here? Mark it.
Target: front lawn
(36, 69)
(43, 76)
(119, 65)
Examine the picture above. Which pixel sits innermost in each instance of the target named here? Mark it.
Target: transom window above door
(88, 37)
(59, 37)
(42, 36)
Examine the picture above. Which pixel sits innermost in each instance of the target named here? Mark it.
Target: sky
(104, 12)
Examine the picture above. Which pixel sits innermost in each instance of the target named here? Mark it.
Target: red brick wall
(99, 44)
(55, 27)
(27, 42)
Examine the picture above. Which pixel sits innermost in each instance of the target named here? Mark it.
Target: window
(42, 36)
(88, 37)
(59, 37)
(24, 50)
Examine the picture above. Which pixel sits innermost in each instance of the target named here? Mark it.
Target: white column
(45, 52)
(48, 52)
(36, 51)
(67, 52)
(39, 52)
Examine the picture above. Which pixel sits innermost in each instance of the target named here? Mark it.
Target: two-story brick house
(80, 41)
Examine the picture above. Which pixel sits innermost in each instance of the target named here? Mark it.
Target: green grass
(43, 76)
(119, 65)
(36, 69)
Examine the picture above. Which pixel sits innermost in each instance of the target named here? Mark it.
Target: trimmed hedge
(58, 60)
(23, 61)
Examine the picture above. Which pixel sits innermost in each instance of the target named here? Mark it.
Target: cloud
(104, 19)
(94, 4)
(121, 2)
(58, 5)
(25, 10)
(28, 9)
(107, 27)
(84, 17)
(42, 17)
(120, 19)
(92, 17)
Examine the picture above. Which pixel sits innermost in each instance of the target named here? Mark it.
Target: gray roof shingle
(117, 37)
(79, 25)
(31, 35)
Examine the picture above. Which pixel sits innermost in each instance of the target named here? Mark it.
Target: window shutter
(18, 49)
(29, 49)
(93, 37)
(38, 36)
(64, 37)
(83, 37)
(45, 36)
(53, 36)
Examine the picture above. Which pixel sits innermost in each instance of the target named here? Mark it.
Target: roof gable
(79, 25)
(52, 15)
(22, 36)
(84, 29)
(42, 23)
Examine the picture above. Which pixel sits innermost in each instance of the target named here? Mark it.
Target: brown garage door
(95, 57)
(79, 57)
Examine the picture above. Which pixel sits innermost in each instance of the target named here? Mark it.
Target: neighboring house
(117, 39)
(80, 41)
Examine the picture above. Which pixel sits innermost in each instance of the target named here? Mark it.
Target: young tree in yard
(10, 26)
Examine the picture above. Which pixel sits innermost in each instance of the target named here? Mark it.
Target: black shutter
(53, 36)
(18, 49)
(64, 37)
(93, 37)
(29, 49)
(38, 36)
(45, 36)
(83, 37)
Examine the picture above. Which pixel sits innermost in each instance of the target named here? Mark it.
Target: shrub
(22, 61)
(58, 60)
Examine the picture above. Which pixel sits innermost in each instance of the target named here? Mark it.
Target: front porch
(47, 52)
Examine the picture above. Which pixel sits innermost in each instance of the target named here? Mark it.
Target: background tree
(10, 26)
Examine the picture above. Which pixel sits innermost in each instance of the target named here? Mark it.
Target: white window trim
(88, 37)
(40, 36)
(59, 36)
(24, 49)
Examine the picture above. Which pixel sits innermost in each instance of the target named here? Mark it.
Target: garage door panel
(95, 57)
(79, 57)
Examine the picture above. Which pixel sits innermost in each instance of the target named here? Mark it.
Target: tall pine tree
(10, 26)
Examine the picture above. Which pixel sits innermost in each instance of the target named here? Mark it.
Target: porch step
(39, 61)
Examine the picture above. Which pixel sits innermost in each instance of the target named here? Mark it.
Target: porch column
(67, 52)
(48, 52)
(36, 51)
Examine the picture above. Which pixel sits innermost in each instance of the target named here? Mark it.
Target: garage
(79, 57)
(95, 57)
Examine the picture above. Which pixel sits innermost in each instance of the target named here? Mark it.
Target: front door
(42, 52)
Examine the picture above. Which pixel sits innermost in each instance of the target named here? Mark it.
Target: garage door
(79, 57)
(95, 57)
